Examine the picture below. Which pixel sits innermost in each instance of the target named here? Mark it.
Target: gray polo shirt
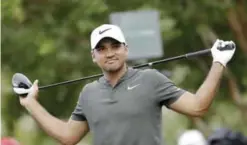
(130, 112)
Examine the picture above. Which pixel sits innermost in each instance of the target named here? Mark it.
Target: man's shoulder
(146, 75)
(149, 72)
(88, 89)
(153, 75)
(91, 86)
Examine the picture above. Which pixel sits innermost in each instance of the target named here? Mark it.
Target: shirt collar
(128, 74)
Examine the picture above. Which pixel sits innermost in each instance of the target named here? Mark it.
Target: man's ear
(93, 56)
(126, 48)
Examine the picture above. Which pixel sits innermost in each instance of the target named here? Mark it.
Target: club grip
(202, 52)
(227, 47)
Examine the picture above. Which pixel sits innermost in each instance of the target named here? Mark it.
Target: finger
(222, 43)
(219, 41)
(218, 44)
(35, 84)
(228, 42)
(232, 43)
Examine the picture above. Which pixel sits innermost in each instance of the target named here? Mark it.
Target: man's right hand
(66, 133)
(32, 95)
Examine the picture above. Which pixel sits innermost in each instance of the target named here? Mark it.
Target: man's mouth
(111, 61)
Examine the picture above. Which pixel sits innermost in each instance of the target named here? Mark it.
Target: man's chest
(130, 99)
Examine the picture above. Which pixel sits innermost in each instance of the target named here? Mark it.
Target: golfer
(123, 107)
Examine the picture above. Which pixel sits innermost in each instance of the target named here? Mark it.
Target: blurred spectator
(9, 141)
(192, 137)
(225, 136)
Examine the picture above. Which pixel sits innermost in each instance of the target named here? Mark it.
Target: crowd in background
(221, 136)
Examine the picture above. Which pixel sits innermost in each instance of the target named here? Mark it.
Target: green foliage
(49, 41)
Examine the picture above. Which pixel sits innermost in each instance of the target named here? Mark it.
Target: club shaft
(192, 54)
(70, 81)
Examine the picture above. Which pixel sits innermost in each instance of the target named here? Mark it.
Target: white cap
(106, 30)
(192, 137)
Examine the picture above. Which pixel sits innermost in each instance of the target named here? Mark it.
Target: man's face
(110, 55)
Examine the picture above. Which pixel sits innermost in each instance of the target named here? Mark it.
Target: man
(124, 106)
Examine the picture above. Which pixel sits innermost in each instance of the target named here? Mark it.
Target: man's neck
(113, 77)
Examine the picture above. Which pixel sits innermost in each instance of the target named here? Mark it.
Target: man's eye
(100, 49)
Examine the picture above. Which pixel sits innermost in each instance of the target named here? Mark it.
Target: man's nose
(109, 52)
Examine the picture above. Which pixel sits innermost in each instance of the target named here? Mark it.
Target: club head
(21, 84)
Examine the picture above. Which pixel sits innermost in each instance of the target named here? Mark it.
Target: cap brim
(104, 38)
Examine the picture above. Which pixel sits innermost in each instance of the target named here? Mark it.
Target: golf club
(22, 85)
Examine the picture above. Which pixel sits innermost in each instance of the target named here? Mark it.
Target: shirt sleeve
(166, 91)
(78, 114)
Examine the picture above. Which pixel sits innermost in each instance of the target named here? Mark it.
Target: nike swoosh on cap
(101, 32)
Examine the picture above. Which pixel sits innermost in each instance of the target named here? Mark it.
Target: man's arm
(68, 133)
(197, 104)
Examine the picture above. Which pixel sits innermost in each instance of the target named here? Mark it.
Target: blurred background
(49, 41)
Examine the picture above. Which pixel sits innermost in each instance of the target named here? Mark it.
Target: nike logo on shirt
(132, 87)
(101, 32)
